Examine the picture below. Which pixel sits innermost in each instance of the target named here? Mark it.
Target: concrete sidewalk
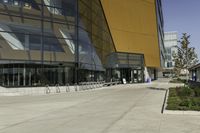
(118, 109)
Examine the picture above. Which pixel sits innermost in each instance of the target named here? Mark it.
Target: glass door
(126, 74)
(137, 76)
(140, 76)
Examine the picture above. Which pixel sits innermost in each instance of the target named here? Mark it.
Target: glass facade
(171, 43)
(59, 42)
(160, 30)
(128, 66)
(94, 38)
(34, 75)
(52, 42)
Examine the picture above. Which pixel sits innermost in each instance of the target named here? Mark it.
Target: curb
(175, 112)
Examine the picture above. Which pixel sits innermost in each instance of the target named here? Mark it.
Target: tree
(185, 57)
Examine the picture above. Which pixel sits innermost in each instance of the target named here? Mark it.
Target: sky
(183, 16)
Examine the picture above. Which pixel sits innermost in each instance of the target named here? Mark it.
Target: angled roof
(195, 66)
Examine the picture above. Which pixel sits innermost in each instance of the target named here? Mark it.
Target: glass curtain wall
(128, 66)
(94, 40)
(34, 75)
(41, 42)
(37, 41)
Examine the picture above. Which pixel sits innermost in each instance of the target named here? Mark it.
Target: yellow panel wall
(133, 26)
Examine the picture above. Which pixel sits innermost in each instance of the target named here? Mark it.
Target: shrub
(172, 107)
(197, 92)
(197, 108)
(195, 101)
(172, 92)
(174, 100)
(184, 98)
(173, 103)
(183, 108)
(185, 92)
(186, 103)
(176, 81)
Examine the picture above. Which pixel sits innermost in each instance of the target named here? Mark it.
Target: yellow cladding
(133, 26)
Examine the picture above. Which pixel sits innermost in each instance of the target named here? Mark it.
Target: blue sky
(183, 16)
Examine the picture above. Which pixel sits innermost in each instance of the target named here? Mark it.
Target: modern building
(195, 73)
(171, 43)
(71, 41)
(137, 30)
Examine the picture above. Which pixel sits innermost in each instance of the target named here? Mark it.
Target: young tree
(185, 56)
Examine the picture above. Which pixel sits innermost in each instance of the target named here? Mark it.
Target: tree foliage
(185, 57)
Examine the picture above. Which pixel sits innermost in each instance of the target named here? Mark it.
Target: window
(61, 7)
(27, 4)
(28, 38)
(16, 3)
(5, 1)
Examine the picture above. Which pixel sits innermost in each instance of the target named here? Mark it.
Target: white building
(170, 42)
(195, 73)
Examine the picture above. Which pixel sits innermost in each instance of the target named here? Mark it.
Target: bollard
(96, 84)
(91, 87)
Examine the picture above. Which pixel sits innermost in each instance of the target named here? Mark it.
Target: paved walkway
(118, 109)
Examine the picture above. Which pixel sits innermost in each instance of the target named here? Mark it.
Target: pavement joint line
(123, 114)
(72, 106)
(95, 116)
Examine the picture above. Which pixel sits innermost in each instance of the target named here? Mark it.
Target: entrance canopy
(125, 60)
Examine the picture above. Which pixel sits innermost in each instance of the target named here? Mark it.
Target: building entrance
(136, 76)
(128, 66)
(132, 75)
(126, 74)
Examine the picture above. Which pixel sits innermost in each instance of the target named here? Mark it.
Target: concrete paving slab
(117, 109)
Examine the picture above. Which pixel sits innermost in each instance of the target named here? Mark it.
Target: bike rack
(47, 90)
(57, 88)
(67, 88)
(76, 87)
(84, 86)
